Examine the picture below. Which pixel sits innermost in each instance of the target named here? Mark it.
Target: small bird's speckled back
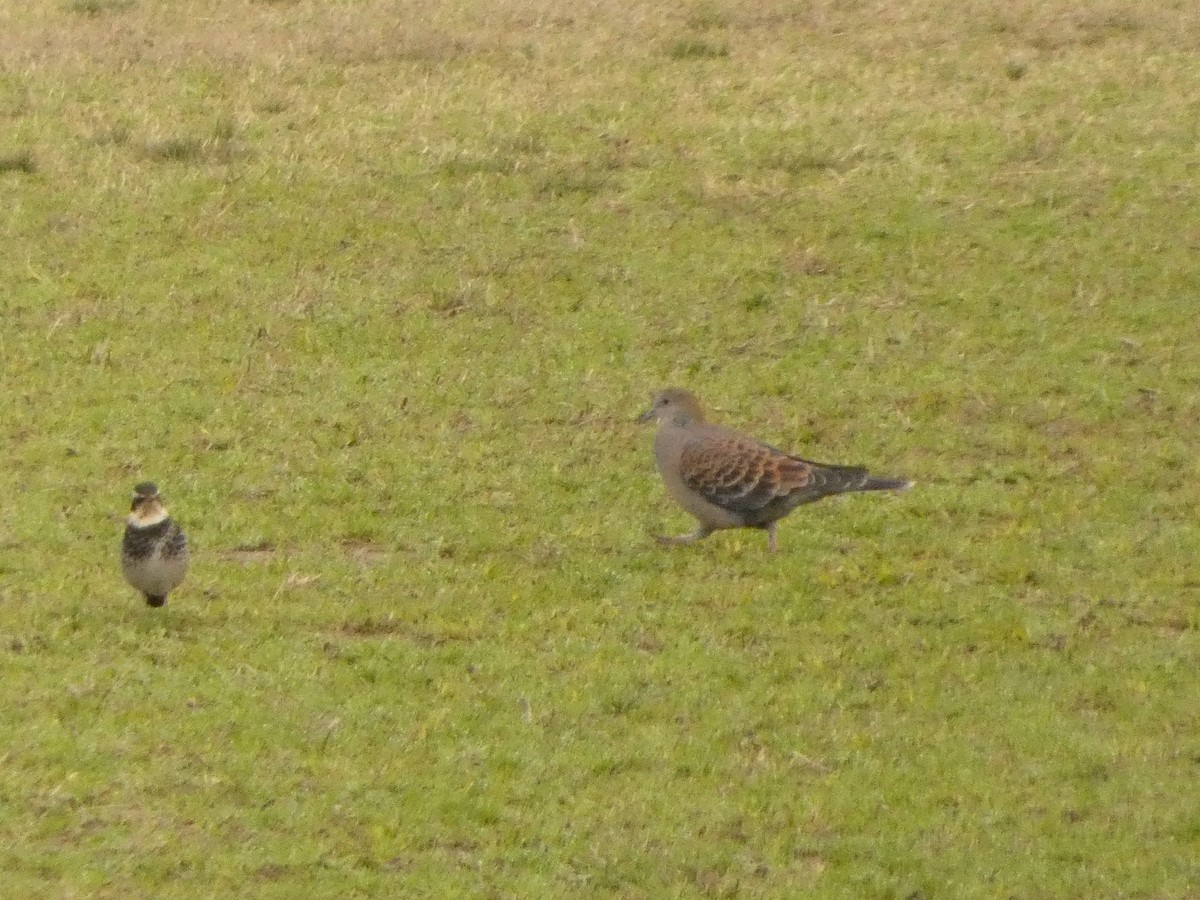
(154, 551)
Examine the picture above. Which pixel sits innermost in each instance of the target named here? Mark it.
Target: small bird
(729, 480)
(154, 553)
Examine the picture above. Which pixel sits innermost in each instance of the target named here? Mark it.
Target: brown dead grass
(291, 35)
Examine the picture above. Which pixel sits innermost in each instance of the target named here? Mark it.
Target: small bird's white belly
(155, 575)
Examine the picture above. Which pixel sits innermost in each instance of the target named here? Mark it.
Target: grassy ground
(374, 291)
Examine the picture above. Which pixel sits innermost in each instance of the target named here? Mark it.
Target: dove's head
(675, 406)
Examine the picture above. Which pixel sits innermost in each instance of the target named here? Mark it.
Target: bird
(729, 480)
(154, 551)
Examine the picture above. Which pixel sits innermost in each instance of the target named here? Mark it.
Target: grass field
(374, 291)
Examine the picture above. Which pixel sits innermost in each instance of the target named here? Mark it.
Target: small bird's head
(147, 508)
(674, 405)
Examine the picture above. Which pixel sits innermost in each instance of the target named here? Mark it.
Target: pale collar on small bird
(148, 513)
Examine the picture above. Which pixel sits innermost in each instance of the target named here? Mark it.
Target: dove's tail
(851, 479)
(871, 483)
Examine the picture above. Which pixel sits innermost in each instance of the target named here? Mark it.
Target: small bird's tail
(156, 599)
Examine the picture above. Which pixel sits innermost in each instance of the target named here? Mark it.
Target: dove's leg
(700, 533)
(771, 538)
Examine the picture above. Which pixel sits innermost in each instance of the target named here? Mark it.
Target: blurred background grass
(374, 292)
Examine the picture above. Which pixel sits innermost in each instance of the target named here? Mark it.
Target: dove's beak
(647, 416)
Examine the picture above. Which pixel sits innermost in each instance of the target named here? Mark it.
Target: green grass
(375, 299)
(18, 161)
